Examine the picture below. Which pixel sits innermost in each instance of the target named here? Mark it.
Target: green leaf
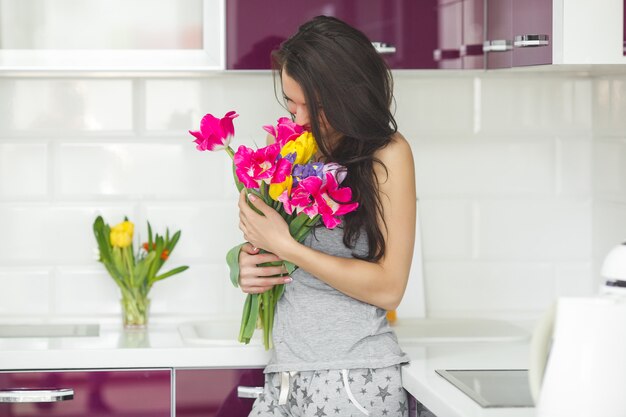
(172, 243)
(232, 259)
(296, 224)
(290, 267)
(253, 316)
(149, 236)
(244, 319)
(171, 272)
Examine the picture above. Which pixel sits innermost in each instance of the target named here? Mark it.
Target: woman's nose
(301, 117)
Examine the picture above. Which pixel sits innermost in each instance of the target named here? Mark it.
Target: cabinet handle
(443, 54)
(30, 395)
(384, 48)
(498, 45)
(530, 41)
(471, 50)
(249, 392)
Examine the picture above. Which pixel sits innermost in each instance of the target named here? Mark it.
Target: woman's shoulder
(397, 153)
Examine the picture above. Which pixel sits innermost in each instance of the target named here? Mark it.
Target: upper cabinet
(111, 35)
(537, 32)
(424, 34)
(404, 31)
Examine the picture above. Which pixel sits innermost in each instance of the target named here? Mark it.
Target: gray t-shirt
(317, 327)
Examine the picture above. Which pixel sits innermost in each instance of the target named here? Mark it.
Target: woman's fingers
(259, 285)
(255, 279)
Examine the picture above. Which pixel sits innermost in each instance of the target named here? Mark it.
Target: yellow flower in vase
(134, 273)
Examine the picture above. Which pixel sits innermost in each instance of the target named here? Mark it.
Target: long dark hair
(343, 76)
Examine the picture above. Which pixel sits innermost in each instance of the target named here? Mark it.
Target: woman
(334, 352)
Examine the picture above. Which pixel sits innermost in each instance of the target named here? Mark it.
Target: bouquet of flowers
(286, 177)
(134, 273)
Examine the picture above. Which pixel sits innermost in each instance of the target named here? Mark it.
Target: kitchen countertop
(161, 346)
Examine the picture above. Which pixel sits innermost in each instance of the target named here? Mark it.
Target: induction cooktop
(492, 388)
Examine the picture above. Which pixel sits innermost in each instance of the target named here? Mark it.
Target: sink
(48, 330)
(215, 332)
(409, 331)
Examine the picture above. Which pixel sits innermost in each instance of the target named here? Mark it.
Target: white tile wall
(609, 168)
(520, 178)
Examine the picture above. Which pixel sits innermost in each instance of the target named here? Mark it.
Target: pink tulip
(285, 131)
(264, 164)
(215, 134)
(302, 197)
(333, 202)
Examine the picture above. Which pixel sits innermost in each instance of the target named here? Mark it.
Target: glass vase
(135, 310)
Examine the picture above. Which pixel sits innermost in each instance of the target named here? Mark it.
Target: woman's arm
(379, 283)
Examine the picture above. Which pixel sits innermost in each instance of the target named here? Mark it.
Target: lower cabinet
(216, 392)
(417, 409)
(94, 393)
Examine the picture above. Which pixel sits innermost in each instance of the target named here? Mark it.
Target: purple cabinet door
(213, 392)
(254, 28)
(136, 393)
(532, 32)
(473, 34)
(499, 33)
(450, 35)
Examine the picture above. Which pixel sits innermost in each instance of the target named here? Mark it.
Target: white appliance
(585, 373)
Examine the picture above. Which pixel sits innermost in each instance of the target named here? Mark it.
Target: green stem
(129, 266)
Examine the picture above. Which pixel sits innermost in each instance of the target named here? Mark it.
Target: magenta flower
(312, 196)
(333, 202)
(285, 131)
(265, 164)
(215, 134)
(303, 197)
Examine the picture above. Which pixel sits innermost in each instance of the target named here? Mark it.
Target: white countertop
(161, 346)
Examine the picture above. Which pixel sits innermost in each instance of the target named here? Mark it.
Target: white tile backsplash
(208, 230)
(447, 228)
(520, 178)
(85, 291)
(532, 230)
(53, 234)
(67, 106)
(609, 106)
(25, 291)
(488, 288)
(23, 170)
(149, 170)
(527, 105)
(470, 168)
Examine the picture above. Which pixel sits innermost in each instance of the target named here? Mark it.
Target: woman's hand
(268, 231)
(254, 279)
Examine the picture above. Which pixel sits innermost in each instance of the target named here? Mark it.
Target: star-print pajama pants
(336, 393)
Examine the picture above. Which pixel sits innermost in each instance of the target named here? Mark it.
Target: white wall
(518, 201)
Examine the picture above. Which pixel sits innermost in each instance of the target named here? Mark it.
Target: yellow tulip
(277, 189)
(304, 147)
(122, 234)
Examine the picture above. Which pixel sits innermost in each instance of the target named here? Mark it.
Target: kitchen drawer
(213, 392)
(102, 393)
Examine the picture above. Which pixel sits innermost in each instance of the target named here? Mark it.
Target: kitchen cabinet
(102, 393)
(217, 392)
(111, 35)
(425, 34)
(404, 31)
(538, 32)
(518, 33)
(417, 409)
